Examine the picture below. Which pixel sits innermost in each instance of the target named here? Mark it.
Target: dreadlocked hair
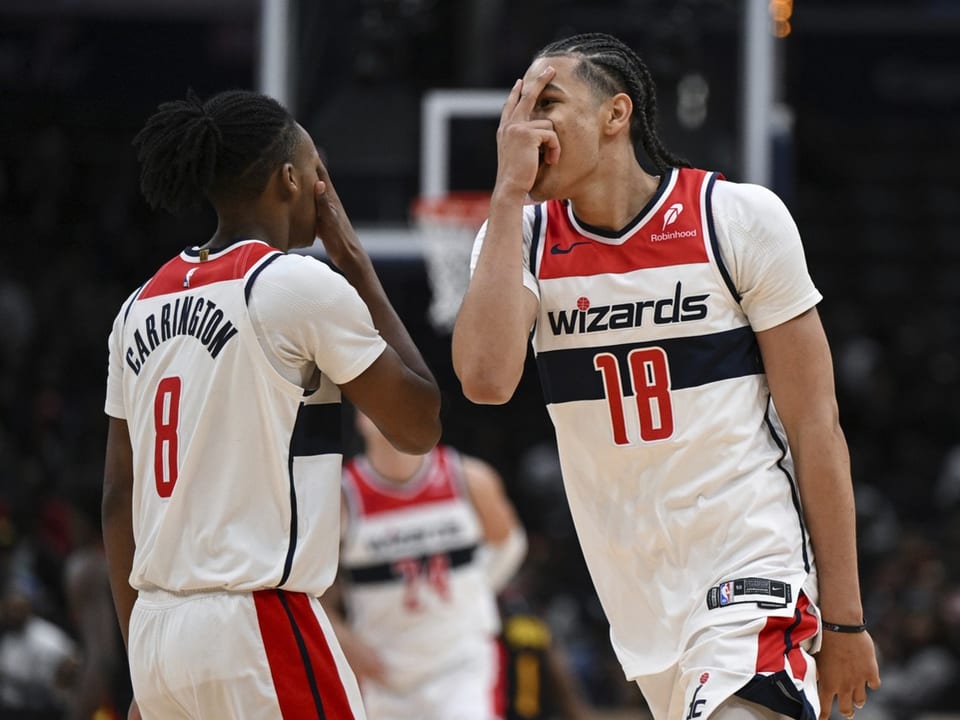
(610, 67)
(222, 149)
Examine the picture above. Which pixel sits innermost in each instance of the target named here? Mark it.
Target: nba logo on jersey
(726, 593)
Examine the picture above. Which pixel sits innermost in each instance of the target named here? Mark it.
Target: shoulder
(128, 301)
(123, 311)
(301, 277)
(297, 268)
(753, 208)
(479, 476)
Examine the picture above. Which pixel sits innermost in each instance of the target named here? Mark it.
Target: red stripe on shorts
(501, 681)
(300, 658)
(780, 639)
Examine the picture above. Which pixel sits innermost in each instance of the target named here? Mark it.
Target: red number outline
(166, 424)
(650, 380)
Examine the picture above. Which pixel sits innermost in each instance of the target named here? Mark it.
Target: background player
(221, 490)
(687, 375)
(428, 540)
(537, 680)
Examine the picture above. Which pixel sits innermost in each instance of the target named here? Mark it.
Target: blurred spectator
(916, 616)
(102, 676)
(38, 661)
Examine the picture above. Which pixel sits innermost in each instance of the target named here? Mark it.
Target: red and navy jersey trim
(714, 243)
(184, 273)
(439, 483)
(570, 375)
(780, 661)
(638, 218)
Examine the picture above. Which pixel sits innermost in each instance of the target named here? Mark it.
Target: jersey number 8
(166, 420)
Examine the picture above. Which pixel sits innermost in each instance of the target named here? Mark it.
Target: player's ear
(284, 183)
(619, 112)
(289, 182)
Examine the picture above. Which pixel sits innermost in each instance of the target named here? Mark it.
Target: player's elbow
(486, 396)
(488, 365)
(486, 388)
(420, 441)
(418, 435)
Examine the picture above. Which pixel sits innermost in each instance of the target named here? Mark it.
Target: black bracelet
(833, 627)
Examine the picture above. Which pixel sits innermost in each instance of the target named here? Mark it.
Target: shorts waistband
(157, 596)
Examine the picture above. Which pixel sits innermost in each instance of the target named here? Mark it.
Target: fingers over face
(319, 190)
(510, 105)
(531, 89)
(550, 146)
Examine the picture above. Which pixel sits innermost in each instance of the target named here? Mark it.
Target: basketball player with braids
(221, 493)
(690, 383)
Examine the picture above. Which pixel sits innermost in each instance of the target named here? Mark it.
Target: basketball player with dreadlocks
(690, 383)
(221, 496)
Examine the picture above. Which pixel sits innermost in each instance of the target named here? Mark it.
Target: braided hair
(223, 149)
(609, 67)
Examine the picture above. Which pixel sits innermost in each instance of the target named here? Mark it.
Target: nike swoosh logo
(557, 250)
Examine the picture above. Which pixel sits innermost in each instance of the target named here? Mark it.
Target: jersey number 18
(650, 378)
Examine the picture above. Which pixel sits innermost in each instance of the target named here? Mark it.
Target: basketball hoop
(447, 226)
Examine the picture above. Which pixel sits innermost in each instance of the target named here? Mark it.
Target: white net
(447, 226)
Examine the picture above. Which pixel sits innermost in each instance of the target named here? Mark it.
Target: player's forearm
(347, 253)
(800, 373)
(358, 269)
(489, 343)
(826, 491)
(119, 546)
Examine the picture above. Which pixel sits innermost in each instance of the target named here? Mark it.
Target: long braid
(610, 66)
(223, 148)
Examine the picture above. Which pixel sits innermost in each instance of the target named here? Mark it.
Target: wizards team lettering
(587, 318)
(413, 539)
(189, 315)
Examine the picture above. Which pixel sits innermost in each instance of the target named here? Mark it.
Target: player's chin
(301, 240)
(543, 189)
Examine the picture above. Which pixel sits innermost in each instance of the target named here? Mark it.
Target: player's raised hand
(846, 667)
(333, 226)
(523, 141)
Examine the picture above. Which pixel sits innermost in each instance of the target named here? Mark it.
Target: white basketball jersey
(414, 587)
(674, 461)
(236, 469)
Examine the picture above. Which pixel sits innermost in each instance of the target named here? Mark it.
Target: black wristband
(833, 627)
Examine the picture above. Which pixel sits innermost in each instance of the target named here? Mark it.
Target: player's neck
(249, 222)
(615, 197)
